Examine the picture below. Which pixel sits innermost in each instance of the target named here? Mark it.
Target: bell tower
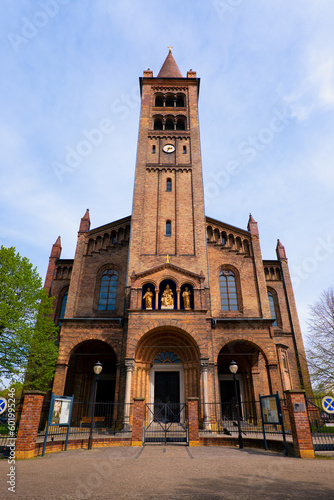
(168, 203)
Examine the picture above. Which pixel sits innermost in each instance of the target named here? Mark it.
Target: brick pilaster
(300, 350)
(137, 421)
(193, 421)
(258, 267)
(60, 379)
(28, 428)
(300, 427)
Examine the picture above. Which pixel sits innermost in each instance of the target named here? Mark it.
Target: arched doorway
(167, 366)
(79, 380)
(251, 379)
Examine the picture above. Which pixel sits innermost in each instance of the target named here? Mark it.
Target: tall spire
(252, 226)
(85, 223)
(280, 251)
(56, 249)
(169, 69)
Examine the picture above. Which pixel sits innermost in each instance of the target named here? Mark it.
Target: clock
(168, 148)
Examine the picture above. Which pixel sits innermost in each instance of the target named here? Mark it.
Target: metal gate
(165, 423)
(321, 425)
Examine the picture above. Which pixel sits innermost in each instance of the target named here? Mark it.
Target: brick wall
(29, 423)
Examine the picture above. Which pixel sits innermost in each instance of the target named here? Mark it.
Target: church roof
(169, 69)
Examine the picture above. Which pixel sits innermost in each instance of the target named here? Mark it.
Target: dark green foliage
(27, 331)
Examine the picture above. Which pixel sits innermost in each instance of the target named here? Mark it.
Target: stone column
(137, 425)
(29, 423)
(300, 427)
(178, 293)
(193, 421)
(130, 364)
(157, 299)
(206, 420)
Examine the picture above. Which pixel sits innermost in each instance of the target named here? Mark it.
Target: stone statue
(186, 298)
(148, 298)
(167, 299)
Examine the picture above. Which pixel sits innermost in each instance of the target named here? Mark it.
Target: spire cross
(167, 259)
(170, 48)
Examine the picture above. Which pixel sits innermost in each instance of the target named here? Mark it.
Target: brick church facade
(167, 297)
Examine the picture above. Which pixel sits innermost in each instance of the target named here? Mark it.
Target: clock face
(168, 148)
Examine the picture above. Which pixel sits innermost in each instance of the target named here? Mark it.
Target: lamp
(233, 369)
(97, 370)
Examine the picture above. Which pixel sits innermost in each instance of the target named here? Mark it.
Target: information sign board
(271, 413)
(61, 411)
(59, 415)
(269, 409)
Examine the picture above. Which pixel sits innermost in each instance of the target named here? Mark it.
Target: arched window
(228, 291)
(169, 185)
(180, 124)
(153, 148)
(63, 307)
(184, 151)
(169, 101)
(169, 125)
(107, 297)
(158, 123)
(159, 100)
(168, 228)
(180, 100)
(167, 357)
(272, 308)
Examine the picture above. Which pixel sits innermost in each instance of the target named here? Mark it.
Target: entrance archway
(252, 379)
(167, 366)
(80, 372)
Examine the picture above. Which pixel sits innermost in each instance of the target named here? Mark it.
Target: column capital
(204, 363)
(130, 364)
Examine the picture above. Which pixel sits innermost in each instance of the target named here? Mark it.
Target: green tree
(17, 386)
(27, 333)
(321, 342)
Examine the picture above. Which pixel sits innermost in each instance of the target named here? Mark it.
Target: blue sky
(69, 67)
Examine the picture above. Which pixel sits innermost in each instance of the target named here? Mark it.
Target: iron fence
(7, 423)
(109, 419)
(165, 423)
(321, 423)
(222, 418)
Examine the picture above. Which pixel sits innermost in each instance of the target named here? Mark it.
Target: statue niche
(167, 298)
(148, 297)
(186, 298)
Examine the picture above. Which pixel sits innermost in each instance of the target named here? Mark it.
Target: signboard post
(59, 415)
(271, 413)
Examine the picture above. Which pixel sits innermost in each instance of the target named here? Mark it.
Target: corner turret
(54, 256)
(280, 251)
(85, 223)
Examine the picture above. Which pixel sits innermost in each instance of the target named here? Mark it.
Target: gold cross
(170, 48)
(167, 259)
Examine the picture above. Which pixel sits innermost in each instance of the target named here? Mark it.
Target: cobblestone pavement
(168, 472)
